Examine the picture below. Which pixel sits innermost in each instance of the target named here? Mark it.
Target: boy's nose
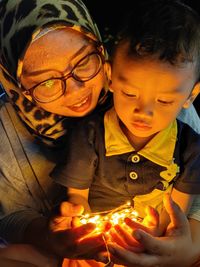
(144, 108)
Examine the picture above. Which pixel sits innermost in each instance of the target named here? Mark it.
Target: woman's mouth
(83, 105)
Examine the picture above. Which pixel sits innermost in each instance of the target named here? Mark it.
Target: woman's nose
(73, 85)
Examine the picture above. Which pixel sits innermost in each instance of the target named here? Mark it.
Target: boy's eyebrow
(125, 80)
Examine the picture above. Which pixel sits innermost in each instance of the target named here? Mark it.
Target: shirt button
(135, 159)
(133, 175)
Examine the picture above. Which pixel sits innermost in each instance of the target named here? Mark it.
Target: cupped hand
(124, 237)
(174, 249)
(70, 239)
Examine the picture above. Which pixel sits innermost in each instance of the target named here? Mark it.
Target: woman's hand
(22, 255)
(174, 249)
(124, 237)
(69, 239)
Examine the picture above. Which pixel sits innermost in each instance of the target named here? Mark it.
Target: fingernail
(137, 235)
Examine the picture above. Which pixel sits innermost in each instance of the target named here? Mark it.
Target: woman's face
(55, 55)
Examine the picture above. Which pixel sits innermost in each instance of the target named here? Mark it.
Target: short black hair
(166, 29)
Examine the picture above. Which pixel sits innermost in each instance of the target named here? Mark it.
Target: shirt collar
(159, 150)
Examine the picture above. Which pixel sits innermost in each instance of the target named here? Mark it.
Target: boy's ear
(192, 95)
(107, 69)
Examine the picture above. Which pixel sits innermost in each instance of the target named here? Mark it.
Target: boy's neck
(137, 142)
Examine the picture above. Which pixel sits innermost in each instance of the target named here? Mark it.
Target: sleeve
(194, 212)
(190, 117)
(17, 205)
(189, 154)
(20, 198)
(77, 170)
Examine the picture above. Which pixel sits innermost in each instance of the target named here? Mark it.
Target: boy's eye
(128, 95)
(164, 102)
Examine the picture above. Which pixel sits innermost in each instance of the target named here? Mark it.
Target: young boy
(138, 150)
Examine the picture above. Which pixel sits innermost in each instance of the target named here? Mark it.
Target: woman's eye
(48, 83)
(83, 63)
(164, 102)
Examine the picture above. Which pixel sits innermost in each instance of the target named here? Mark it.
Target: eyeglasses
(52, 89)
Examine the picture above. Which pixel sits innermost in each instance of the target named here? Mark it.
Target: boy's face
(149, 94)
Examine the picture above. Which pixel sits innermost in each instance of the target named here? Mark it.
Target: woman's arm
(24, 256)
(179, 247)
(183, 200)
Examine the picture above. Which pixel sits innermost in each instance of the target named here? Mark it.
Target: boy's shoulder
(187, 137)
(185, 129)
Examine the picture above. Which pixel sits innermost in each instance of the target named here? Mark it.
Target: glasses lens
(48, 91)
(88, 67)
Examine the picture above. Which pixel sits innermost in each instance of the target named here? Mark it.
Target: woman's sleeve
(22, 197)
(194, 212)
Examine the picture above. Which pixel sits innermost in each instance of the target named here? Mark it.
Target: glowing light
(115, 216)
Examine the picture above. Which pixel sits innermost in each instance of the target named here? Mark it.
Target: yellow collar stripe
(159, 150)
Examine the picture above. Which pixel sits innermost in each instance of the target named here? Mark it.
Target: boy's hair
(166, 29)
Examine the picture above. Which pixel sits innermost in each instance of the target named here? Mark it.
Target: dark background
(108, 15)
(108, 19)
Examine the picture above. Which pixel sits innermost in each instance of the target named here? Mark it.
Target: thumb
(177, 217)
(68, 209)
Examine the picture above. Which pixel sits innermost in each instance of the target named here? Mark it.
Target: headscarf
(20, 22)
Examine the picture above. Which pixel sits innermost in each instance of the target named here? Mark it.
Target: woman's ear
(107, 69)
(28, 96)
(192, 95)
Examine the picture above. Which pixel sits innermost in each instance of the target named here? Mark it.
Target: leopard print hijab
(20, 22)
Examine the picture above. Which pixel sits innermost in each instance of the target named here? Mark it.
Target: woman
(61, 38)
(41, 42)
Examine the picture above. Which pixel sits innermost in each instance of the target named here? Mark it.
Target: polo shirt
(100, 157)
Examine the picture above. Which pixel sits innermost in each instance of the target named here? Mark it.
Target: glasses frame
(30, 91)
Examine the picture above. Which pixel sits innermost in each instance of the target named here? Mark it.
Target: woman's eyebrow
(40, 72)
(80, 51)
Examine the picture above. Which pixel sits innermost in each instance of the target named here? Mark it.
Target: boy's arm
(79, 196)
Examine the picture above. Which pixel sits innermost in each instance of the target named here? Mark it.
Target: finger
(76, 222)
(154, 245)
(152, 218)
(134, 225)
(115, 237)
(128, 238)
(130, 258)
(177, 217)
(68, 209)
(83, 230)
(88, 247)
(60, 223)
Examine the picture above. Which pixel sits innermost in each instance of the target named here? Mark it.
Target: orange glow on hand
(111, 217)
